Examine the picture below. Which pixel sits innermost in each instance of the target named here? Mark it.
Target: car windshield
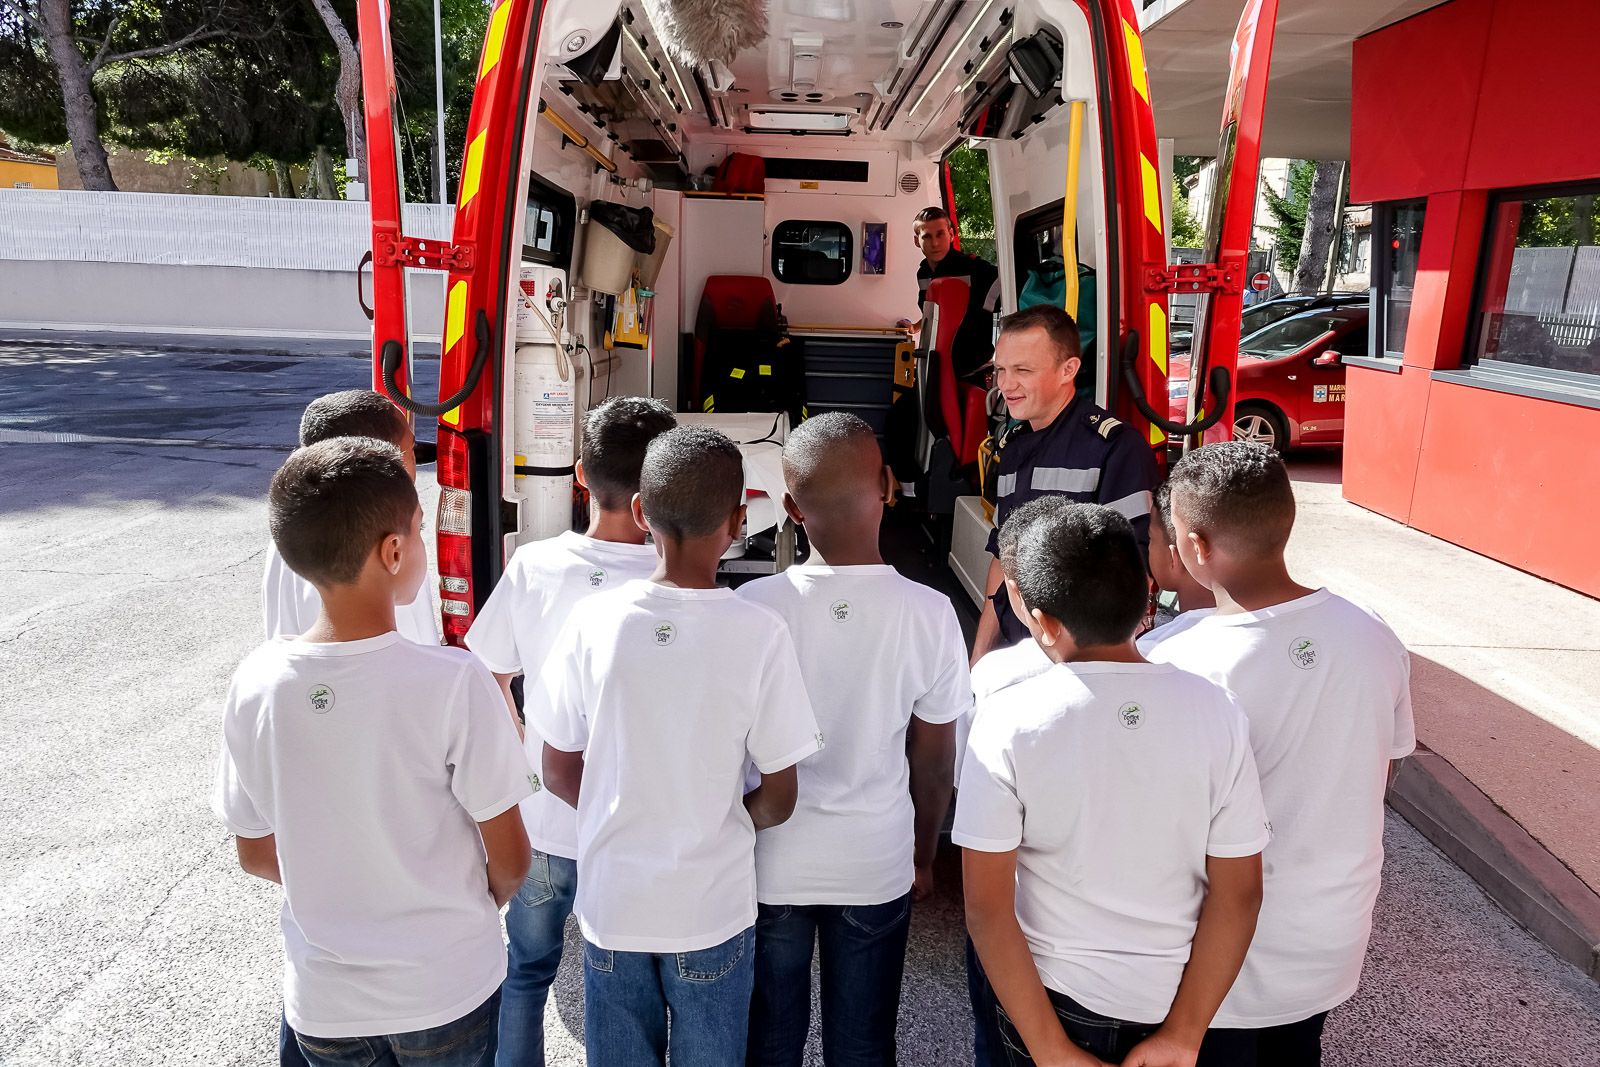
(1263, 315)
(1288, 336)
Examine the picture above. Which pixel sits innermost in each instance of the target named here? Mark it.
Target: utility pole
(438, 90)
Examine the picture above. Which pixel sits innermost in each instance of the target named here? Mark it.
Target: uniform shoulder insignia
(1108, 425)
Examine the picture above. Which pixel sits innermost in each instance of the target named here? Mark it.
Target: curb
(1512, 868)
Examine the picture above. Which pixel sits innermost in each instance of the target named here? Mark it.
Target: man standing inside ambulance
(1060, 444)
(935, 236)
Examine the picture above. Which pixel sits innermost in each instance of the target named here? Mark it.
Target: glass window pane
(1541, 295)
(1405, 242)
(807, 252)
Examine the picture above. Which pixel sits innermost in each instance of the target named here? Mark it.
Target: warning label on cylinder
(552, 414)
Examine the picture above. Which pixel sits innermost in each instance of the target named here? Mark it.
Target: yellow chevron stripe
(472, 170)
(1152, 191)
(494, 42)
(1136, 71)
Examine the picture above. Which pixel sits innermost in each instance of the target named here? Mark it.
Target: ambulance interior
(774, 293)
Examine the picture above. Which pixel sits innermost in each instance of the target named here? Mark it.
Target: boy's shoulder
(1005, 667)
(884, 584)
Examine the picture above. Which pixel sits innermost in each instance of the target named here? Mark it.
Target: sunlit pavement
(133, 553)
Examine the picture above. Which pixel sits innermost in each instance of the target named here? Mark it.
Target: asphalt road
(132, 533)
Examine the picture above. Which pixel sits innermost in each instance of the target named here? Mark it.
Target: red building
(1476, 416)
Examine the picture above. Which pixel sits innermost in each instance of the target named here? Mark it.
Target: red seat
(956, 409)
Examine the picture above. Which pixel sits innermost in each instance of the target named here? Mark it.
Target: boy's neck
(1256, 586)
(845, 545)
(350, 613)
(690, 563)
(615, 526)
(1121, 652)
(1193, 595)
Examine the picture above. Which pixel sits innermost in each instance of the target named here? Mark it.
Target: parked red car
(1290, 388)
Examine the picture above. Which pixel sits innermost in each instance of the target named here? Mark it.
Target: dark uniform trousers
(1085, 455)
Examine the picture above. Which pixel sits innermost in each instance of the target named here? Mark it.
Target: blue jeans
(289, 1054)
(467, 1042)
(987, 1050)
(536, 920)
(629, 995)
(1290, 1045)
(1108, 1038)
(863, 950)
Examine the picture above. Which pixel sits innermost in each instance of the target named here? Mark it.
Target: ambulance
(711, 202)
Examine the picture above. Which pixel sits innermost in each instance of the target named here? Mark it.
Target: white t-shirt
(1326, 686)
(668, 692)
(371, 761)
(997, 670)
(874, 649)
(1114, 782)
(521, 621)
(1171, 629)
(290, 605)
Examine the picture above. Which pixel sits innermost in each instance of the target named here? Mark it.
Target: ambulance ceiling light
(799, 121)
(950, 57)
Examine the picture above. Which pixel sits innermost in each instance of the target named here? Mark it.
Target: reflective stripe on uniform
(991, 299)
(1132, 506)
(1006, 485)
(1067, 479)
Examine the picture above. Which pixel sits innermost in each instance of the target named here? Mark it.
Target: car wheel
(1260, 425)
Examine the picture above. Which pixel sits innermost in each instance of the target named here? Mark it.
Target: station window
(1395, 273)
(808, 252)
(1538, 300)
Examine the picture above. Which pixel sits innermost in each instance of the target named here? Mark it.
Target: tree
(1187, 232)
(974, 203)
(1321, 229)
(1289, 210)
(72, 43)
(347, 93)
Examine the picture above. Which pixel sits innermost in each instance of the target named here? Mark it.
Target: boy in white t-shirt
(1191, 600)
(1326, 687)
(372, 778)
(885, 665)
(289, 602)
(512, 635)
(1111, 819)
(653, 701)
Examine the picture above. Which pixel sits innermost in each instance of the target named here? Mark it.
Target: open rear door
(1231, 218)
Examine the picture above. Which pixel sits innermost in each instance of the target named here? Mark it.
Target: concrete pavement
(127, 933)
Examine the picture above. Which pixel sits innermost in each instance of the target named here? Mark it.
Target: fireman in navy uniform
(974, 343)
(1062, 443)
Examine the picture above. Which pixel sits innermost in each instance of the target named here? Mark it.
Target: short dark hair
(1022, 516)
(691, 480)
(352, 413)
(930, 214)
(333, 501)
(1237, 493)
(1057, 324)
(832, 461)
(615, 436)
(1081, 565)
(1161, 511)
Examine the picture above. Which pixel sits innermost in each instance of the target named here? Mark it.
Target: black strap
(545, 472)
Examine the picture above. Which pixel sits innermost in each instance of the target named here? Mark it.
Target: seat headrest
(740, 301)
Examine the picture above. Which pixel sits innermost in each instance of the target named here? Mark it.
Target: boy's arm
(772, 802)
(506, 844)
(988, 634)
(563, 773)
(930, 748)
(990, 881)
(259, 856)
(1221, 938)
(505, 681)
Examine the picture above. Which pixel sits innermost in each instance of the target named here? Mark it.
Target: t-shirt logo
(820, 741)
(321, 697)
(533, 780)
(840, 610)
(1303, 653)
(664, 633)
(1131, 716)
(597, 578)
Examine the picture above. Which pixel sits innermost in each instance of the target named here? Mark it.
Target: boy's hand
(1160, 1050)
(922, 884)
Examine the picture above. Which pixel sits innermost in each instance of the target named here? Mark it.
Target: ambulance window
(1041, 270)
(808, 252)
(1396, 274)
(1538, 302)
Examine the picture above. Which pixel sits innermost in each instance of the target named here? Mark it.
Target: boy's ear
(890, 485)
(638, 513)
(389, 553)
(736, 520)
(1051, 632)
(1202, 548)
(793, 510)
(577, 474)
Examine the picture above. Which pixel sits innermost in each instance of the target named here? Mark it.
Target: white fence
(212, 264)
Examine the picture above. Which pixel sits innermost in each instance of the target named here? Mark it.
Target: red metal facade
(1451, 105)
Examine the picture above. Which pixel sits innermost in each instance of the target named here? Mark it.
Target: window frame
(1026, 224)
(1383, 272)
(564, 207)
(1506, 375)
(849, 251)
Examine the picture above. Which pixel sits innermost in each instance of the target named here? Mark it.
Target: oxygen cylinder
(545, 422)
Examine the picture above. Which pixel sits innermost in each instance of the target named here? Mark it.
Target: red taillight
(455, 536)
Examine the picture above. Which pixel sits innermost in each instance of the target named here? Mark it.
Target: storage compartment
(850, 372)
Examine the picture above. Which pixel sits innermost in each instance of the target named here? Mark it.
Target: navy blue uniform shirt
(1084, 455)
